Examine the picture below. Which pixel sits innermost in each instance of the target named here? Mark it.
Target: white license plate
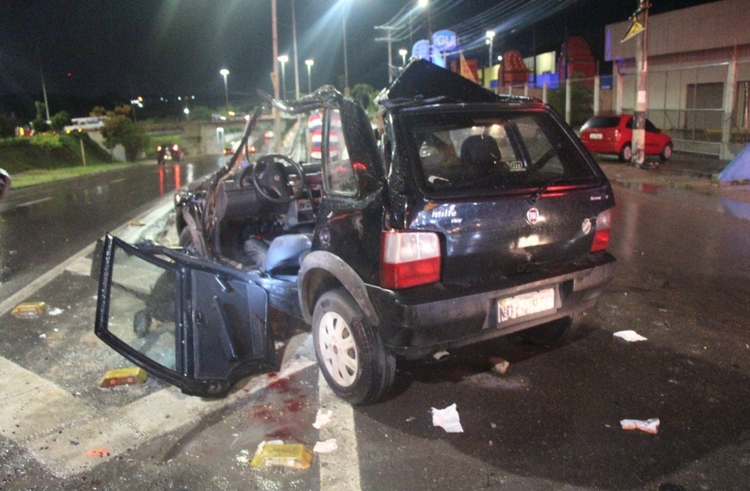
(595, 136)
(526, 304)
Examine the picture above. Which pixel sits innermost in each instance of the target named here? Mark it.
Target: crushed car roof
(422, 80)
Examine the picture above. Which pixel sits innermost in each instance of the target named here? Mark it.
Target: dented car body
(464, 216)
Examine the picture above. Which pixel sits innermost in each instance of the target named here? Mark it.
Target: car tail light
(409, 259)
(601, 233)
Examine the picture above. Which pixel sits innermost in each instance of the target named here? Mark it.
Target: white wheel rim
(338, 349)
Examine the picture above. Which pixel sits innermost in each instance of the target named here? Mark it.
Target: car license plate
(595, 136)
(525, 304)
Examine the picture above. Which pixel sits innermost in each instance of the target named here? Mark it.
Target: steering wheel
(270, 176)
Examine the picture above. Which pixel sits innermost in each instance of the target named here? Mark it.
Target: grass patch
(40, 176)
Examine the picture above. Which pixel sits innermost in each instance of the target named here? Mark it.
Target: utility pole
(641, 102)
(275, 76)
(296, 59)
(388, 39)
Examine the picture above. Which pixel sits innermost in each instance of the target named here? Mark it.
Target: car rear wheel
(666, 153)
(626, 153)
(552, 333)
(350, 352)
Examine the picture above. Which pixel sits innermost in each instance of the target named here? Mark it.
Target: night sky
(126, 48)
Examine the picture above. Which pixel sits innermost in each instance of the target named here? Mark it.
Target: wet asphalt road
(42, 225)
(551, 422)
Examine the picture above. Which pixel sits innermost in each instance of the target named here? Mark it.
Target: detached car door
(195, 324)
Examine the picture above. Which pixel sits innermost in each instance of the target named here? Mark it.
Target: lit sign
(445, 40)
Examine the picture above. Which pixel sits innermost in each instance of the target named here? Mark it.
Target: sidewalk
(690, 172)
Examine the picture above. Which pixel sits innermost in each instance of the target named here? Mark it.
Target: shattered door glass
(142, 307)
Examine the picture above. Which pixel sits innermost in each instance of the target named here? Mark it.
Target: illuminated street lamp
(490, 36)
(224, 72)
(283, 59)
(187, 113)
(403, 52)
(309, 64)
(346, 61)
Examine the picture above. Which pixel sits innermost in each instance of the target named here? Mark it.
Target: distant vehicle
(228, 151)
(4, 183)
(613, 134)
(476, 215)
(170, 151)
(85, 124)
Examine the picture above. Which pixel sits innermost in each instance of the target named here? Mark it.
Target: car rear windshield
(601, 122)
(470, 152)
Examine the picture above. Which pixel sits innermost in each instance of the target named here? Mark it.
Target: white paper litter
(55, 311)
(447, 419)
(440, 355)
(243, 457)
(647, 425)
(322, 418)
(629, 336)
(327, 446)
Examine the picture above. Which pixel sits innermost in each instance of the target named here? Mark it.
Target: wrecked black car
(460, 216)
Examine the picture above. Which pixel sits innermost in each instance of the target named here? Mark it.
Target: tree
(119, 129)
(364, 94)
(39, 124)
(581, 100)
(8, 126)
(59, 121)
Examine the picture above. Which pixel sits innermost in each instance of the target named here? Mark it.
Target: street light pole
(224, 72)
(283, 59)
(490, 37)
(346, 61)
(403, 53)
(309, 64)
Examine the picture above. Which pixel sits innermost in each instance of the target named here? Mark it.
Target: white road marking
(338, 470)
(115, 181)
(35, 202)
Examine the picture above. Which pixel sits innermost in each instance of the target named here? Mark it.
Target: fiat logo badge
(532, 216)
(586, 226)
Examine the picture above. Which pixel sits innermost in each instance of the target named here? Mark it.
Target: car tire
(626, 153)
(552, 333)
(666, 153)
(350, 352)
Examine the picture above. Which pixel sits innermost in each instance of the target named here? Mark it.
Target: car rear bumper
(415, 325)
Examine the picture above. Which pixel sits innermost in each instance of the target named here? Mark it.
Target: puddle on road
(691, 197)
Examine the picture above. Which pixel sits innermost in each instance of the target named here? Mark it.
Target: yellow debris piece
(123, 376)
(291, 455)
(30, 310)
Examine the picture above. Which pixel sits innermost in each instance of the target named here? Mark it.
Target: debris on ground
(646, 425)
(243, 457)
(30, 310)
(327, 446)
(629, 336)
(123, 376)
(441, 355)
(55, 311)
(447, 419)
(499, 365)
(273, 454)
(322, 418)
(136, 223)
(98, 452)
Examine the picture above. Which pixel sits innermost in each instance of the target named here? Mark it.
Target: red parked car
(613, 134)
